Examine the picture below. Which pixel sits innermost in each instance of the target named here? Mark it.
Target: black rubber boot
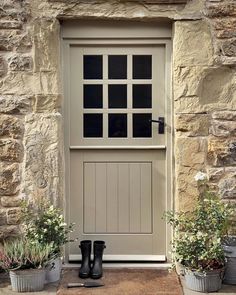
(98, 248)
(85, 247)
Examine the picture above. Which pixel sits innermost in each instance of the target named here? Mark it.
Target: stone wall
(204, 94)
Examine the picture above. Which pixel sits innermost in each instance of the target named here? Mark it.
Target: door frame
(159, 34)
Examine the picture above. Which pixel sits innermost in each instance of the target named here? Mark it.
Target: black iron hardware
(161, 122)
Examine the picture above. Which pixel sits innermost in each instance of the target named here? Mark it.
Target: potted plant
(197, 240)
(45, 223)
(26, 263)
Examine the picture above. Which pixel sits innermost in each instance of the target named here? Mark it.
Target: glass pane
(117, 125)
(92, 66)
(93, 125)
(92, 96)
(117, 96)
(142, 96)
(142, 67)
(141, 125)
(117, 67)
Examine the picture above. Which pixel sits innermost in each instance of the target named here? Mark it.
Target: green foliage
(197, 241)
(45, 224)
(21, 254)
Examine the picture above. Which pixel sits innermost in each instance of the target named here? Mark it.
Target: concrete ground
(51, 289)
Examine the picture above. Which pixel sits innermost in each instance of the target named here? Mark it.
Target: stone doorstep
(125, 281)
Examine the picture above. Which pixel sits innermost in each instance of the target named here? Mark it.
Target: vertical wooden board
(89, 197)
(112, 197)
(146, 197)
(135, 197)
(123, 197)
(101, 197)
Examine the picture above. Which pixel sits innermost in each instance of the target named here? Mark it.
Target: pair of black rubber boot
(86, 271)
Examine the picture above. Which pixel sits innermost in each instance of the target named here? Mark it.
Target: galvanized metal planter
(211, 281)
(53, 271)
(29, 280)
(230, 266)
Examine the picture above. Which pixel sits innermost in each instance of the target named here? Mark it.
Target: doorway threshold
(156, 265)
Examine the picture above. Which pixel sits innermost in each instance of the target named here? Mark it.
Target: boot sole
(95, 277)
(84, 276)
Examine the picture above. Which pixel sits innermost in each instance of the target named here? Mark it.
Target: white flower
(63, 224)
(200, 176)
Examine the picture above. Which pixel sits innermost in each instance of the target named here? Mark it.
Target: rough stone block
(13, 216)
(46, 44)
(205, 88)
(3, 217)
(14, 104)
(10, 24)
(9, 179)
(227, 23)
(192, 124)
(218, 85)
(43, 149)
(222, 152)
(21, 83)
(50, 83)
(224, 115)
(190, 50)
(47, 103)
(223, 128)
(229, 47)
(14, 11)
(215, 174)
(227, 188)
(20, 63)
(187, 80)
(188, 104)
(27, 83)
(226, 60)
(11, 126)
(8, 231)
(224, 9)
(10, 201)
(3, 67)
(226, 34)
(25, 43)
(186, 188)
(11, 150)
(190, 152)
(9, 39)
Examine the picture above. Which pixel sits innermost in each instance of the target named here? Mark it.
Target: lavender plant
(21, 254)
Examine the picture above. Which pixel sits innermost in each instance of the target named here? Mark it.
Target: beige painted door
(117, 156)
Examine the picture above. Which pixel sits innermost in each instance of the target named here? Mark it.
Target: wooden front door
(117, 152)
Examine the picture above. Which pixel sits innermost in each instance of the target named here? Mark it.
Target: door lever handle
(161, 122)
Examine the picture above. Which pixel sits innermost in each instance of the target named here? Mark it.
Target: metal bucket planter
(29, 280)
(53, 271)
(229, 247)
(210, 281)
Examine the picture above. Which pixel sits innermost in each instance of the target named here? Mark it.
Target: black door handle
(161, 122)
